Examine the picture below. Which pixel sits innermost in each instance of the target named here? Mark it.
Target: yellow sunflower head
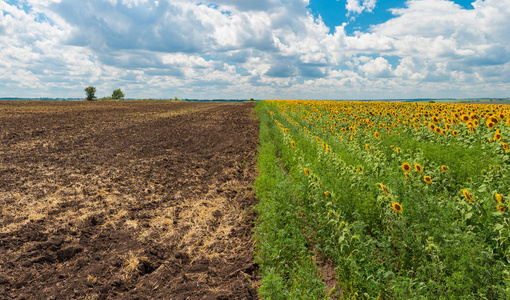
(418, 168)
(499, 198)
(490, 124)
(306, 171)
(501, 208)
(293, 144)
(497, 136)
(505, 146)
(385, 190)
(427, 179)
(467, 195)
(406, 167)
(455, 133)
(444, 168)
(396, 207)
(376, 134)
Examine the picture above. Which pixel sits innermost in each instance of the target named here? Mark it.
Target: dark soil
(127, 200)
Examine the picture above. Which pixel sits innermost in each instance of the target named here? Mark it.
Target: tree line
(91, 94)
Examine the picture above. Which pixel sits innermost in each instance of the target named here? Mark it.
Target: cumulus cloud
(377, 68)
(358, 6)
(261, 49)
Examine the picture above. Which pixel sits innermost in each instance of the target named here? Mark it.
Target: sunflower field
(401, 200)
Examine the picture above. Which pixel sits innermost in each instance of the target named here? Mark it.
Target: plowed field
(127, 200)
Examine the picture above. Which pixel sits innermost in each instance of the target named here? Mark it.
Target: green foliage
(285, 261)
(91, 91)
(117, 94)
(440, 246)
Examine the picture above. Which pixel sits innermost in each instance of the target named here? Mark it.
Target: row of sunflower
(407, 199)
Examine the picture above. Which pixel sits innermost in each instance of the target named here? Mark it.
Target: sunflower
(293, 144)
(427, 179)
(317, 139)
(444, 168)
(327, 194)
(418, 168)
(501, 208)
(383, 188)
(505, 146)
(497, 136)
(443, 132)
(406, 167)
(465, 118)
(306, 171)
(508, 121)
(498, 198)
(467, 195)
(398, 150)
(376, 134)
(396, 207)
(447, 126)
(490, 124)
(437, 130)
(366, 146)
(491, 140)
(455, 133)
(327, 148)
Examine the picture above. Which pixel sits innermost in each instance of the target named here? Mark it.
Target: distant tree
(251, 99)
(117, 94)
(91, 91)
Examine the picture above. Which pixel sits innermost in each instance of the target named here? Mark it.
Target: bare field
(134, 199)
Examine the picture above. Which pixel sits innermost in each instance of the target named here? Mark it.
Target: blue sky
(265, 49)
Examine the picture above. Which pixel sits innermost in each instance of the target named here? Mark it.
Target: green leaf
(499, 227)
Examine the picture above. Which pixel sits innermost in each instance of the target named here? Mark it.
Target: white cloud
(377, 68)
(261, 49)
(358, 6)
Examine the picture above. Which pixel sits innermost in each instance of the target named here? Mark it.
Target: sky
(261, 49)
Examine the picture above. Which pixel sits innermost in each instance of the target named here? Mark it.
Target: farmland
(127, 200)
(383, 200)
(169, 200)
